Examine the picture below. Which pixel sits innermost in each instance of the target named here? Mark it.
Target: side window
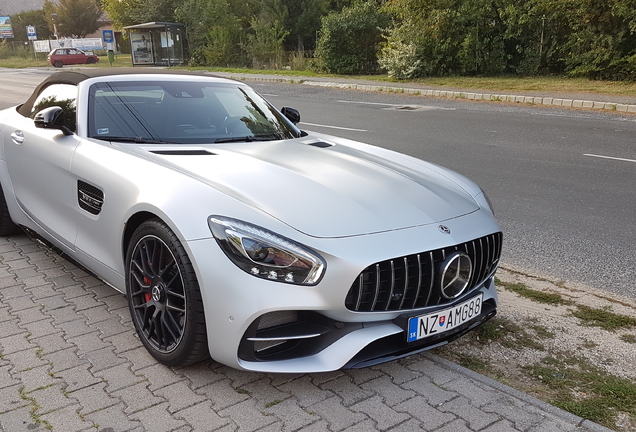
(62, 95)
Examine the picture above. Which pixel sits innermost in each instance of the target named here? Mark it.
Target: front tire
(164, 297)
(58, 64)
(7, 227)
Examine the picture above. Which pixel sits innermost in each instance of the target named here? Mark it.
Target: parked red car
(68, 56)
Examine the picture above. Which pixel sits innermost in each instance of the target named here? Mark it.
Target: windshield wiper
(270, 137)
(140, 140)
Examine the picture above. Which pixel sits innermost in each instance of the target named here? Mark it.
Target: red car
(68, 56)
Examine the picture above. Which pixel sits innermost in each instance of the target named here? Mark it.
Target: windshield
(183, 112)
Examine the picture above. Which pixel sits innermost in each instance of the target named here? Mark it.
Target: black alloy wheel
(164, 297)
(58, 64)
(90, 60)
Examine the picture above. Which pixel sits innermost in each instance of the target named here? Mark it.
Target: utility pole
(542, 29)
(53, 18)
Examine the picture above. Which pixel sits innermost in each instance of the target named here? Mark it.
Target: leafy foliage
(74, 17)
(350, 39)
(35, 18)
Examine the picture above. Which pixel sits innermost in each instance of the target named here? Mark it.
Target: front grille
(410, 282)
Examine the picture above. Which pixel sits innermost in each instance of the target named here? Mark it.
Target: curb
(530, 100)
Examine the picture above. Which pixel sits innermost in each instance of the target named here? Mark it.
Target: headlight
(265, 254)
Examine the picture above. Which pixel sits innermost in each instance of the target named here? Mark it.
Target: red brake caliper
(147, 295)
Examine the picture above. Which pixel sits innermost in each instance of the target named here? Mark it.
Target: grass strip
(535, 295)
(603, 318)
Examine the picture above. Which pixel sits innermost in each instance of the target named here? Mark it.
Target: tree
(35, 18)
(213, 31)
(266, 34)
(74, 17)
(350, 39)
(303, 22)
(131, 12)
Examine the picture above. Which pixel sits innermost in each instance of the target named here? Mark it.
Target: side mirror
(292, 114)
(52, 118)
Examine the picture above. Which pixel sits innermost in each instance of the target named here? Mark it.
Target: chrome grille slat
(432, 281)
(388, 300)
(375, 287)
(419, 280)
(406, 281)
(360, 290)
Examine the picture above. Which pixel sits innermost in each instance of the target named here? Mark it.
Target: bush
(349, 40)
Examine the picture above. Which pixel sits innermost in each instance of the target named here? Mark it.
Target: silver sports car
(235, 234)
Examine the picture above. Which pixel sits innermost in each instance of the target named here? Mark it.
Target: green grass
(629, 338)
(475, 363)
(535, 295)
(508, 333)
(510, 84)
(603, 318)
(584, 390)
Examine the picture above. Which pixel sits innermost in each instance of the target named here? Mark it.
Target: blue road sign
(108, 36)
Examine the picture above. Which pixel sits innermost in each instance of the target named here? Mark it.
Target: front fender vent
(89, 197)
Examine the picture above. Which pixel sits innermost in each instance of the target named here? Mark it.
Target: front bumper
(260, 325)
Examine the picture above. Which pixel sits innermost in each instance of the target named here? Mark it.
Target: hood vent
(183, 152)
(320, 144)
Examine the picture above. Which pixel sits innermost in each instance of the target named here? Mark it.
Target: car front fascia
(233, 299)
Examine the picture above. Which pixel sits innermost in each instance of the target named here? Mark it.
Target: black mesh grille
(410, 282)
(89, 197)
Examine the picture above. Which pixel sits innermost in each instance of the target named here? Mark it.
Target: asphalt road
(565, 214)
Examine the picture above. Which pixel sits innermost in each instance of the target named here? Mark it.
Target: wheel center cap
(157, 292)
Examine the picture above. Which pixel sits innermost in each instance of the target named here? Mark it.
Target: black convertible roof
(76, 76)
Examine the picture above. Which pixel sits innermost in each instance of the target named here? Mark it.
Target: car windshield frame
(183, 112)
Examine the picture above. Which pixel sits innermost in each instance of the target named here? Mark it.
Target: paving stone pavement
(70, 361)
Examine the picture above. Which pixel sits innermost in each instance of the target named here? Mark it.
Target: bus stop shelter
(156, 44)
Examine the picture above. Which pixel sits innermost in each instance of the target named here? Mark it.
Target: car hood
(335, 191)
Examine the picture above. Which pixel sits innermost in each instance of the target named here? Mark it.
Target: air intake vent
(89, 197)
(320, 144)
(410, 282)
(183, 152)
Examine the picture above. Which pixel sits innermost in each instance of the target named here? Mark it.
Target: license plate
(444, 320)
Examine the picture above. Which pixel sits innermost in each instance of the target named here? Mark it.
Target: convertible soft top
(76, 76)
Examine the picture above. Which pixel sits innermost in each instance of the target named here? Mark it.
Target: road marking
(421, 107)
(269, 94)
(335, 127)
(609, 157)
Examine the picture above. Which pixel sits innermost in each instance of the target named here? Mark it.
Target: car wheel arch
(131, 225)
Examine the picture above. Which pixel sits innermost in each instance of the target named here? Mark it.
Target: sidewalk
(70, 361)
(569, 100)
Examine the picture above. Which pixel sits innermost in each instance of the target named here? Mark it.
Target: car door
(39, 163)
(76, 57)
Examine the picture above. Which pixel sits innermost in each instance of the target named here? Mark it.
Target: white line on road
(427, 107)
(609, 157)
(335, 127)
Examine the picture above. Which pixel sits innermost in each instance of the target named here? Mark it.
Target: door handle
(17, 137)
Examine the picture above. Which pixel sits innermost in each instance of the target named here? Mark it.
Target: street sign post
(32, 36)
